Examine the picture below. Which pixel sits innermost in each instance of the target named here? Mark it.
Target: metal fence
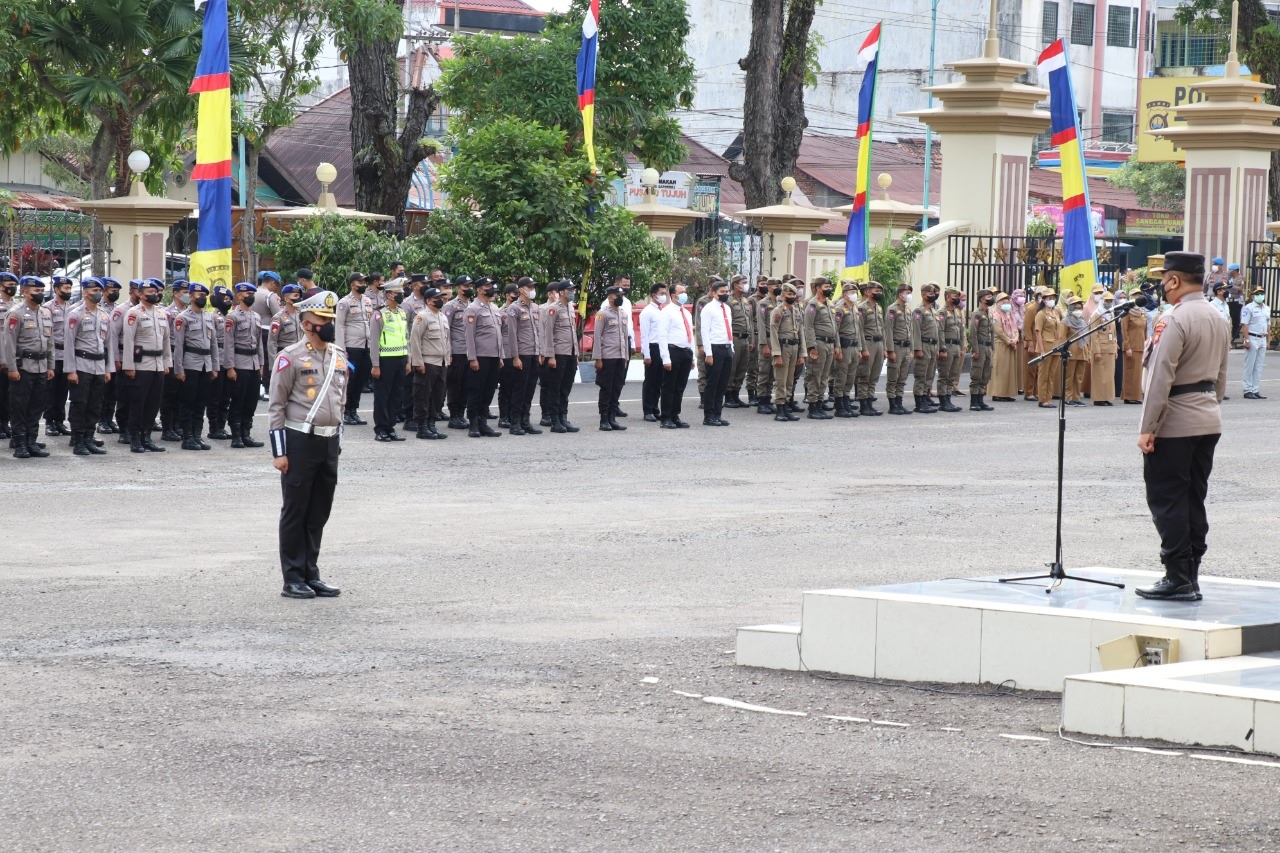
(1007, 263)
(1263, 270)
(40, 242)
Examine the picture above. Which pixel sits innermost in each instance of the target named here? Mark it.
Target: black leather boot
(135, 442)
(125, 436)
(527, 425)
(514, 425)
(149, 444)
(77, 444)
(93, 446)
(568, 427)
(105, 427)
(248, 440)
(189, 441)
(557, 425)
(486, 431)
(946, 404)
(923, 407)
(546, 421)
(458, 422)
(605, 426)
(764, 407)
(435, 433)
(424, 431)
(237, 440)
(613, 420)
(170, 433)
(1177, 583)
(473, 428)
(20, 450)
(218, 431)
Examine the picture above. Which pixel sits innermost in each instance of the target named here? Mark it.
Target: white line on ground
(950, 729)
(1025, 737)
(1150, 751)
(1230, 760)
(744, 706)
(889, 723)
(649, 680)
(839, 719)
(687, 695)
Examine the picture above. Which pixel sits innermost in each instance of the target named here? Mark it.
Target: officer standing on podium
(1183, 378)
(304, 411)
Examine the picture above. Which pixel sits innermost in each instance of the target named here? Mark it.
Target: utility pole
(928, 129)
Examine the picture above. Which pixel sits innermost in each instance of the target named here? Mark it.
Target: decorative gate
(1263, 271)
(1007, 263)
(42, 242)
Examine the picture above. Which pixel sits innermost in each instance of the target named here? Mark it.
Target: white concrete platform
(980, 631)
(1233, 702)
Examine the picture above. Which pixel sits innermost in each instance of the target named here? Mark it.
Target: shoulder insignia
(275, 325)
(471, 319)
(282, 362)
(918, 314)
(132, 319)
(13, 322)
(177, 324)
(551, 310)
(418, 319)
(71, 321)
(1158, 331)
(811, 309)
(231, 324)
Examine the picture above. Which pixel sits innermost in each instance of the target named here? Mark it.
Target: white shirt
(625, 309)
(649, 319)
(1221, 308)
(715, 325)
(674, 330)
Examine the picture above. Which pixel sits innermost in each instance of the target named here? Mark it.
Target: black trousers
(170, 401)
(674, 382)
(611, 377)
(651, 391)
(194, 396)
(524, 382)
(86, 402)
(244, 400)
(480, 386)
(428, 393)
(509, 382)
(557, 383)
(359, 359)
(55, 406)
(455, 384)
(717, 380)
(124, 398)
(1177, 477)
(144, 401)
(4, 398)
(307, 488)
(387, 391)
(1233, 308)
(219, 406)
(26, 401)
(109, 398)
(267, 366)
(406, 396)
(567, 366)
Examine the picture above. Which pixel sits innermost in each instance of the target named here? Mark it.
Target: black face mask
(395, 297)
(467, 293)
(931, 297)
(10, 291)
(327, 333)
(761, 291)
(113, 295)
(488, 292)
(95, 298)
(360, 288)
(437, 303)
(826, 291)
(723, 297)
(791, 300)
(201, 301)
(153, 298)
(615, 301)
(64, 295)
(248, 300)
(37, 298)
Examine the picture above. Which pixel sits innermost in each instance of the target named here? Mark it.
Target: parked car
(176, 266)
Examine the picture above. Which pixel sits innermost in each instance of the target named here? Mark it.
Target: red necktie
(687, 331)
(728, 333)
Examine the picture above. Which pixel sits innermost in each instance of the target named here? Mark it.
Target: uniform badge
(231, 324)
(311, 393)
(132, 319)
(71, 321)
(811, 309)
(13, 322)
(1157, 332)
(471, 319)
(275, 327)
(177, 324)
(311, 380)
(341, 365)
(282, 362)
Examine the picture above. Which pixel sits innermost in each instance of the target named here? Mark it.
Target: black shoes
(714, 422)
(349, 419)
(1181, 582)
(323, 590)
(669, 425)
(922, 405)
(106, 427)
(170, 434)
(1253, 395)
(250, 441)
(613, 422)
(504, 422)
(458, 422)
(617, 413)
(945, 404)
(734, 402)
(765, 408)
(605, 426)
(979, 404)
(135, 443)
(651, 418)
(526, 424)
(218, 432)
(568, 427)
(485, 430)
(297, 590)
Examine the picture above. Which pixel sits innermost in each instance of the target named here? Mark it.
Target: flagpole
(928, 128)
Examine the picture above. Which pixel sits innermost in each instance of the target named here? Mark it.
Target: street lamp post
(928, 130)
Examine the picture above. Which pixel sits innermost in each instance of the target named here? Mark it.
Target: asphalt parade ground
(531, 628)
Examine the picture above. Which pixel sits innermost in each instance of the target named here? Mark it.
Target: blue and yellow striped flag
(211, 262)
(857, 245)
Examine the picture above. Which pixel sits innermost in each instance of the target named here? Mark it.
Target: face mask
(1107, 306)
(791, 300)
(1049, 303)
(395, 298)
(1216, 268)
(184, 298)
(683, 298)
(437, 303)
(112, 295)
(615, 301)
(95, 298)
(10, 291)
(662, 299)
(467, 293)
(761, 291)
(1259, 299)
(931, 297)
(64, 295)
(1006, 307)
(774, 293)
(361, 288)
(488, 292)
(37, 298)
(327, 333)
(1077, 311)
(153, 298)
(530, 294)
(986, 303)
(248, 300)
(826, 291)
(723, 297)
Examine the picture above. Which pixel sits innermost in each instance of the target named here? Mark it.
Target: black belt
(196, 350)
(902, 343)
(928, 340)
(1193, 388)
(245, 351)
(91, 356)
(789, 342)
(1253, 335)
(147, 353)
(34, 354)
(989, 343)
(875, 339)
(744, 337)
(954, 342)
(846, 342)
(825, 340)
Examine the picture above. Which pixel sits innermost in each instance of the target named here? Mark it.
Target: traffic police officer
(28, 356)
(304, 416)
(148, 356)
(197, 354)
(89, 363)
(1184, 378)
(389, 353)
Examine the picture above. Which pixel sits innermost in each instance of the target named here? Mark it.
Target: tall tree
(1259, 47)
(1157, 186)
(104, 67)
(387, 146)
(282, 39)
(642, 73)
(779, 66)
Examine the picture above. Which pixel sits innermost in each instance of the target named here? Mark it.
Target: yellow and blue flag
(1079, 270)
(587, 79)
(211, 262)
(857, 245)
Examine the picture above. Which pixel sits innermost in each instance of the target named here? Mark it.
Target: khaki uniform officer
(787, 343)
(765, 306)
(753, 350)
(1105, 348)
(1184, 378)
(1049, 332)
(523, 330)
(740, 311)
(926, 342)
(849, 331)
(982, 348)
(871, 358)
(1078, 363)
(822, 336)
(1030, 378)
(484, 350)
(610, 352)
(951, 354)
(304, 414)
(900, 349)
(428, 358)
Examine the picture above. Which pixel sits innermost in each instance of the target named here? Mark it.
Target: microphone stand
(1057, 569)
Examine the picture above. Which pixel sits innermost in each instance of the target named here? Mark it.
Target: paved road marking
(744, 706)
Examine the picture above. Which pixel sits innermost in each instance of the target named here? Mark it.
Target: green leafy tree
(1157, 186)
(332, 247)
(642, 74)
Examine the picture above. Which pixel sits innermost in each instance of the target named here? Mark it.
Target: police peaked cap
(322, 303)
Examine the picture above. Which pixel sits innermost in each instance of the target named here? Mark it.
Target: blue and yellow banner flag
(1079, 270)
(211, 262)
(857, 245)
(587, 79)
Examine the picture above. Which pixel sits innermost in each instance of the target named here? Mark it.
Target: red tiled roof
(505, 7)
(41, 201)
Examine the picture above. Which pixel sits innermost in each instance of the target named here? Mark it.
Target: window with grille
(1049, 22)
(1117, 127)
(1082, 23)
(1122, 27)
(1188, 50)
